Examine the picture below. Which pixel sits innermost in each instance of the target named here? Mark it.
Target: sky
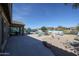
(36, 15)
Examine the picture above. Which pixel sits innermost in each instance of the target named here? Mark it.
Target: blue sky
(36, 15)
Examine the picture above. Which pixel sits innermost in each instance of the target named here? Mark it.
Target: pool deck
(26, 46)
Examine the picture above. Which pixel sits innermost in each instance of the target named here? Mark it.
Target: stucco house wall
(4, 25)
(0, 30)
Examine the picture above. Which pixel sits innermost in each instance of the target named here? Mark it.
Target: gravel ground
(60, 43)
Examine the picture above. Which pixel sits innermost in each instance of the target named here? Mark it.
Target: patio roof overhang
(16, 25)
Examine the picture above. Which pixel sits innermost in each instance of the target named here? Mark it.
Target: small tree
(44, 29)
(28, 30)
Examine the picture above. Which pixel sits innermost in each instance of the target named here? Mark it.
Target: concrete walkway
(26, 46)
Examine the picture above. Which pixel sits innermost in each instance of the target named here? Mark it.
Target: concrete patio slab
(26, 46)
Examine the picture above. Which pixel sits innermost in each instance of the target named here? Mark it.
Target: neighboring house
(73, 30)
(59, 28)
(55, 32)
(50, 28)
(5, 21)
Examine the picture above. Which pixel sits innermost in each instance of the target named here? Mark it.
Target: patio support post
(19, 30)
(23, 30)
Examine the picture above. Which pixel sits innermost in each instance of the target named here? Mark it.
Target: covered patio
(16, 28)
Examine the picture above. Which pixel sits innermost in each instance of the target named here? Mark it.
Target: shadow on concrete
(57, 51)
